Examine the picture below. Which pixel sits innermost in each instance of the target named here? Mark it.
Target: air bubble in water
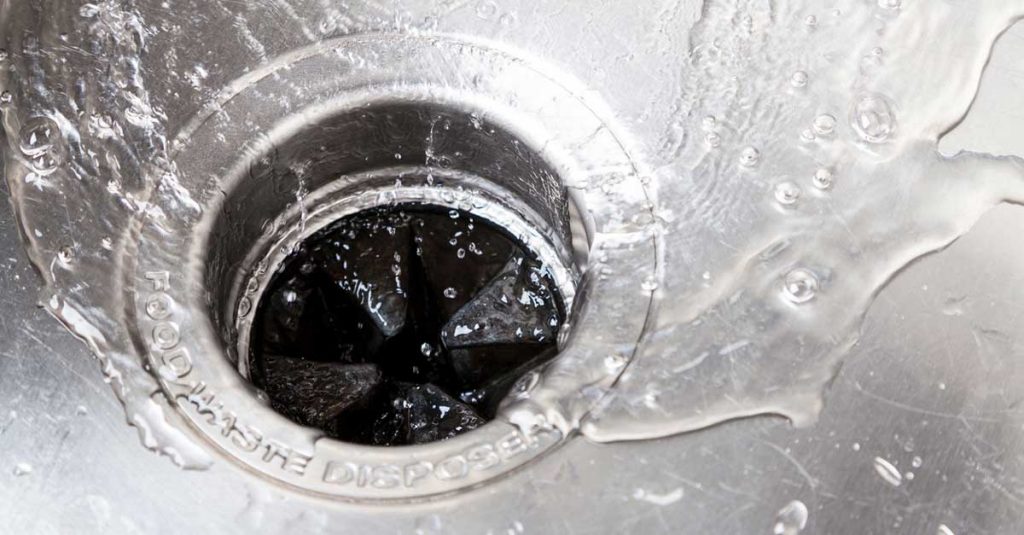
(791, 519)
(709, 122)
(823, 178)
(916, 462)
(525, 384)
(426, 349)
(3, 54)
(890, 4)
(750, 156)
(800, 286)
(6, 97)
(615, 362)
(872, 118)
(888, 472)
(486, 9)
(713, 140)
(450, 292)
(45, 163)
(66, 255)
(944, 530)
(38, 135)
(811, 21)
(799, 79)
(22, 469)
(244, 306)
(787, 193)
(825, 124)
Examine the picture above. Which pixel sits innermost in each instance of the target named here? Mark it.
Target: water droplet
(823, 178)
(615, 362)
(45, 163)
(787, 193)
(66, 255)
(486, 10)
(798, 79)
(450, 292)
(713, 140)
(791, 519)
(22, 469)
(800, 286)
(38, 136)
(6, 97)
(525, 383)
(888, 472)
(825, 124)
(916, 462)
(244, 306)
(750, 156)
(872, 118)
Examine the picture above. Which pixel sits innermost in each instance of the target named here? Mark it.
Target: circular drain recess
(402, 324)
(392, 146)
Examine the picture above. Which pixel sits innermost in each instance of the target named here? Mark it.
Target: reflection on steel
(201, 134)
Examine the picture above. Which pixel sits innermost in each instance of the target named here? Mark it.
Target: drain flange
(395, 130)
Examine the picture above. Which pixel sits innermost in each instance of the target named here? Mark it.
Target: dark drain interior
(402, 325)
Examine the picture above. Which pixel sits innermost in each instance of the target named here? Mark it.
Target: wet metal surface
(921, 430)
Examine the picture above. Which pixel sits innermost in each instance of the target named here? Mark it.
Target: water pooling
(849, 189)
(798, 174)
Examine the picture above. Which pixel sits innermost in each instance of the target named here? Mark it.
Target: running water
(771, 266)
(798, 173)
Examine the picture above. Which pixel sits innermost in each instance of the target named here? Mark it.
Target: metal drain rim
(185, 351)
(333, 203)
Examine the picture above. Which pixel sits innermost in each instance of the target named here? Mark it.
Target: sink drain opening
(290, 162)
(403, 324)
(391, 270)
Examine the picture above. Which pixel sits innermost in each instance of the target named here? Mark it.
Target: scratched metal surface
(932, 389)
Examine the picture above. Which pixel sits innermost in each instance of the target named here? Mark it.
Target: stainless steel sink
(153, 228)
